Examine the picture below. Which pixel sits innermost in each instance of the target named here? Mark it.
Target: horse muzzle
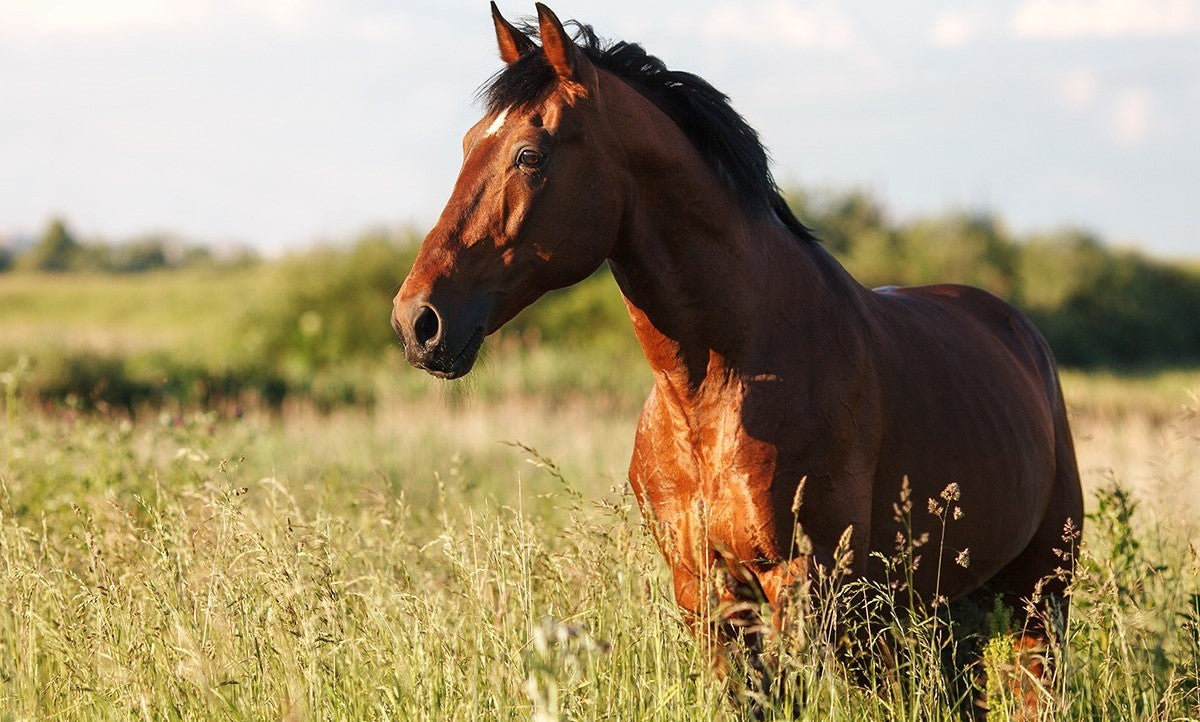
(441, 343)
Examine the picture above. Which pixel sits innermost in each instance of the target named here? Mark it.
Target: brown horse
(771, 363)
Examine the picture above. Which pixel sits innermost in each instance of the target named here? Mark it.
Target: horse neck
(717, 294)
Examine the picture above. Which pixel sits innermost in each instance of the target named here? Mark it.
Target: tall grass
(404, 565)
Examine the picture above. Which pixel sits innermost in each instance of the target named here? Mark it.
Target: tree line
(1098, 306)
(59, 250)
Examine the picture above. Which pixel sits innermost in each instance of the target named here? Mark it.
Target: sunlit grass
(406, 564)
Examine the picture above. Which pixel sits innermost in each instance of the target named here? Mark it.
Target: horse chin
(459, 364)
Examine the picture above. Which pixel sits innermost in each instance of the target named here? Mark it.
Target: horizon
(411, 231)
(290, 124)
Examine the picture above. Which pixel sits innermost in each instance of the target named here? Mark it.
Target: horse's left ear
(560, 49)
(513, 43)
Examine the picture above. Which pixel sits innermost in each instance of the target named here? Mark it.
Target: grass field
(411, 560)
(186, 314)
(406, 564)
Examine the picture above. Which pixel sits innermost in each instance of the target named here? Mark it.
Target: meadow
(375, 544)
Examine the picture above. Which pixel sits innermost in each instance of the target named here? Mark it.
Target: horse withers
(771, 364)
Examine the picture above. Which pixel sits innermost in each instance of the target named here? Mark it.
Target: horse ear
(560, 49)
(513, 43)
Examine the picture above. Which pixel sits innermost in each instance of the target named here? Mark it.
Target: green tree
(55, 251)
(138, 256)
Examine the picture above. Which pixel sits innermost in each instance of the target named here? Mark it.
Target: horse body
(937, 385)
(771, 364)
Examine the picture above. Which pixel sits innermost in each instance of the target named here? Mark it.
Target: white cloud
(81, 18)
(89, 19)
(1106, 18)
(391, 28)
(810, 26)
(954, 28)
(1077, 88)
(1129, 117)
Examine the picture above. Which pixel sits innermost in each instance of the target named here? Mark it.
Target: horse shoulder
(663, 474)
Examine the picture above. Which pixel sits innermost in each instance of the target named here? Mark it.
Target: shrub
(332, 306)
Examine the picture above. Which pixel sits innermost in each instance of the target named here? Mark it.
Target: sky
(276, 123)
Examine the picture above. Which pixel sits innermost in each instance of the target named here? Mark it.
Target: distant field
(188, 313)
(211, 317)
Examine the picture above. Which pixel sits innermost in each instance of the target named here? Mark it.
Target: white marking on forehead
(497, 123)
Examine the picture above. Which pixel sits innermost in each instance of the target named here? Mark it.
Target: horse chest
(706, 482)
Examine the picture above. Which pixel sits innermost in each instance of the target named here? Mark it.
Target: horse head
(537, 204)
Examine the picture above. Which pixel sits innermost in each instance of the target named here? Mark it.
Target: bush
(106, 383)
(332, 307)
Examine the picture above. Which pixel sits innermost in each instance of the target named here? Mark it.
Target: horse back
(963, 321)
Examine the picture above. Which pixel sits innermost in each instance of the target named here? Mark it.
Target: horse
(775, 373)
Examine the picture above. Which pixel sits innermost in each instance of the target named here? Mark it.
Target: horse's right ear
(513, 43)
(562, 53)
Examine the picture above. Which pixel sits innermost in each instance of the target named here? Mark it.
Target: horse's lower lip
(463, 360)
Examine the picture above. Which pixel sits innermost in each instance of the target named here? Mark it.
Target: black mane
(724, 139)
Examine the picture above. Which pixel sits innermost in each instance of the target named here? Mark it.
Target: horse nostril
(427, 327)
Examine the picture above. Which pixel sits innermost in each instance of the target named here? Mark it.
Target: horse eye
(530, 158)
